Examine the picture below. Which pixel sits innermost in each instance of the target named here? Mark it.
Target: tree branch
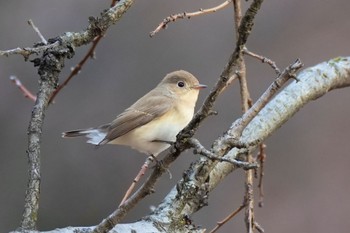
(78, 67)
(26, 52)
(50, 65)
(97, 26)
(263, 60)
(181, 200)
(42, 38)
(199, 149)
(22, 88)
(188, 15)
(239, 125)
(314, 83)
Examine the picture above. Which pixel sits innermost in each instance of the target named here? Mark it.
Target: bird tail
(95, 135)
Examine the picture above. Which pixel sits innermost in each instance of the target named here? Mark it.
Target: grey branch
(36, 29)
(26, 52)
(190, 193)
(199, 149)
(97, 26)
(50, 65)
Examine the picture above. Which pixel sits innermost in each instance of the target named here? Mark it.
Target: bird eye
(180, 84)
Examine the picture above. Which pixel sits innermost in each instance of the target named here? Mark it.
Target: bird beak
(199, 86)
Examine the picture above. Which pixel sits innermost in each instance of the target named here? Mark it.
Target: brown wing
(149, 107)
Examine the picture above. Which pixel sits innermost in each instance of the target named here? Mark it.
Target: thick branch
(239, 125)
(50, 65)
(314, 83)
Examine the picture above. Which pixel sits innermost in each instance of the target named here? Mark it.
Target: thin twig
(261, 158)
(258, 227)
(184, 15)
(226, 219)
(30, 22)
(263, 60)
(237, 17)
(245, 102)
(78, 67)
(200, 149)
(136, 179)
(249, 198)
(26, 52)
(146, 189)
(23, 89)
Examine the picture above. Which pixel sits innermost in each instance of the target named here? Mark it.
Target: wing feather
(149, 107)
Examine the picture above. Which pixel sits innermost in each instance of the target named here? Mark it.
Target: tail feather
(75, 133)
(95, 135)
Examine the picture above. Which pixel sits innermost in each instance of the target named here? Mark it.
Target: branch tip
(188, 15)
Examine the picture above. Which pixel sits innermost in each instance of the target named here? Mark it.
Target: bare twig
(249, 199)
(146, 189)
(23, 89)
(136, 179)
(173, 18)
(237, 17)
(26, 52)
(78, 67)
(30, 22)
(245, 102)
(261, 158)
(258, 227)
(226, 219)
(263, 60)
(199, 149)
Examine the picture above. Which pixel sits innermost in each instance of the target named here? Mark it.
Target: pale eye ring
(180, 84)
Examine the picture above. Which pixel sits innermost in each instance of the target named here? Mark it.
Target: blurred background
(307, 170)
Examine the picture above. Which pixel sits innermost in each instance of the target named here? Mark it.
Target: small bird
(153, 121)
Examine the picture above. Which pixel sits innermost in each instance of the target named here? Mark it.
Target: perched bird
(154, 120)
